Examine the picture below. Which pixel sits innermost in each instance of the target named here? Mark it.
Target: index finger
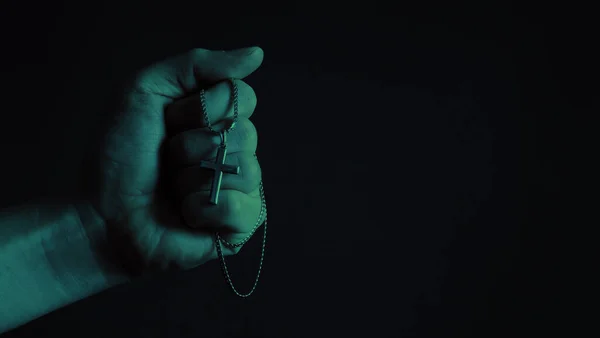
(179, 76)
(187, 113)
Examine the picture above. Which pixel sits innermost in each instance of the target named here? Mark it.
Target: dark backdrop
(409, 164)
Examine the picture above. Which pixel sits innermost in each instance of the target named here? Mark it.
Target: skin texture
(150, 201)
(147, 209)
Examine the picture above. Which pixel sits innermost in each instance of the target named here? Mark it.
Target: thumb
(178, 76)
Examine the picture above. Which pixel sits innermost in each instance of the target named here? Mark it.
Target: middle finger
(195, 178)
(192, 146)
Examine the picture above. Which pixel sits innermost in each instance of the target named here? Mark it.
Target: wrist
(51, 255)
(105, 256)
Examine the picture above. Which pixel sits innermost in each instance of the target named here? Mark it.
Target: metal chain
(263, 208)
(220, 240)
(234, 98)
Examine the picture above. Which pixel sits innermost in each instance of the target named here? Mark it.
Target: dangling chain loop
(263, 210)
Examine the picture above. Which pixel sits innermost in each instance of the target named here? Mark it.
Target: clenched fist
(152, 190)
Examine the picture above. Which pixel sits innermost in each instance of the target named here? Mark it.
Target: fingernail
(244, 51)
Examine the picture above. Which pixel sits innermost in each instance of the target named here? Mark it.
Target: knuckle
(182, 148)
(232, 208)
(196, 56)
(198, 52)
(253, 172)
(191, 146)
(249, 97)
(245, 134)
(188, 147)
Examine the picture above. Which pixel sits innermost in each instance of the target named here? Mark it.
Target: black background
(410, 159)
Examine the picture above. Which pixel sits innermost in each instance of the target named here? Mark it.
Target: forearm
(48, 259)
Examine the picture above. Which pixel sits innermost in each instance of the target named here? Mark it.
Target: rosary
(219, 167)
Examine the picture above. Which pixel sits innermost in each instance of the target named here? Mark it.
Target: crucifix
(219, 167)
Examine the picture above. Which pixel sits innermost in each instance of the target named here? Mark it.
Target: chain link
(234, 98)
(263, 209)
(220, 240)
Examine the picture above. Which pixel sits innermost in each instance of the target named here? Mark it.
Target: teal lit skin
(149, 191)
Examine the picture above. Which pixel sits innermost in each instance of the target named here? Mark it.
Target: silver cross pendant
(219, 167)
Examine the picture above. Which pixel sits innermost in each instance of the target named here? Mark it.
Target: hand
(153, 199)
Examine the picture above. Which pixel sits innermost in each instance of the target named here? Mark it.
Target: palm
(149, 222)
